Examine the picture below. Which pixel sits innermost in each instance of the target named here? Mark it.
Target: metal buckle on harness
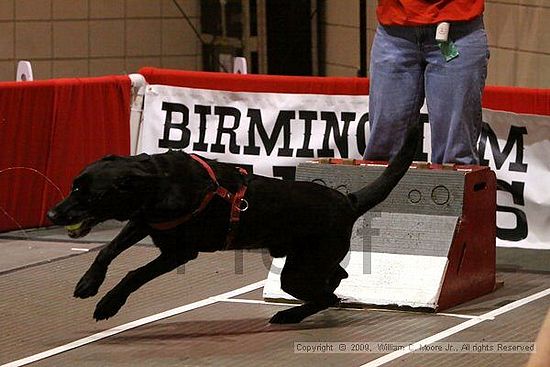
(240, 208)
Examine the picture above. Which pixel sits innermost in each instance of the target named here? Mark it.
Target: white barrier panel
(400, 280)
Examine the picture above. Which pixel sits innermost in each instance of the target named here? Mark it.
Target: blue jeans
(407, 66)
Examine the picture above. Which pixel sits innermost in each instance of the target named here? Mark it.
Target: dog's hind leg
(315, 287)
(93, 278)
(109, 305)
(337, 276)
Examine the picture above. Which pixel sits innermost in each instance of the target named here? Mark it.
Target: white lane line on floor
(80, 249)
(286, 304)
(134, 324)
(456, 329)
(462, 316)
(252, 301)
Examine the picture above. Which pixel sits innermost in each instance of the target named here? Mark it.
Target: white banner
(271, 133)
(517, 148)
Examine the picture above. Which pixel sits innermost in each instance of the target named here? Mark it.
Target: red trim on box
(471, 270)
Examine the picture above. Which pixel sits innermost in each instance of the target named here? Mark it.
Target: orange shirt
(422, 12)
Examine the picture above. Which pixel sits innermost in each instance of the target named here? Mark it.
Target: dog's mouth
(81, 229)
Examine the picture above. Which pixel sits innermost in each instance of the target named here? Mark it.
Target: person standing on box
(433, 49)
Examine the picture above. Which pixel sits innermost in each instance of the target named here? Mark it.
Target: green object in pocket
(449, 50)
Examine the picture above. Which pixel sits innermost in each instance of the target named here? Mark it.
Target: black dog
(189, 204)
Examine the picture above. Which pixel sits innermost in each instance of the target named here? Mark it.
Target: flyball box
(430, 244)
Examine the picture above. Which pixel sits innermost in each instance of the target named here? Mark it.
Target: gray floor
(516, 259)
(35, 246)
(39, 268)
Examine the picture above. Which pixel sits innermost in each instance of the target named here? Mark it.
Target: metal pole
(362, 38)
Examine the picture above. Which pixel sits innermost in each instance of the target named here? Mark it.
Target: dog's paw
(89, 284)
(290, 316)
(108, 306)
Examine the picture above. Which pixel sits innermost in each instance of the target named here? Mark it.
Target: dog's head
(111, 188)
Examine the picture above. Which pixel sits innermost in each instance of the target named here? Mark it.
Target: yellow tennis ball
(73, 227)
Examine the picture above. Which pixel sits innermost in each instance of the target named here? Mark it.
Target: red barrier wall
(256, 83)
(54, 128)
(518, 100)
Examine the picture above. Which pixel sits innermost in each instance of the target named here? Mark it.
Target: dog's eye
(78, 191)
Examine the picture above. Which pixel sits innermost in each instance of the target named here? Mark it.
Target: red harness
(236, 200)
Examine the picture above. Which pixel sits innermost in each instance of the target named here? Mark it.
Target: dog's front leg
(116, 297)
(93, 278)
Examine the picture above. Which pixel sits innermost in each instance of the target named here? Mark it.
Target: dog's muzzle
(74, 230)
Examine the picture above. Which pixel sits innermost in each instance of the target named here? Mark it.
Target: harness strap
(237, 201)
(238, 205)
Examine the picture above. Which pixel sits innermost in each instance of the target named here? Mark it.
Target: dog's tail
(378, 190)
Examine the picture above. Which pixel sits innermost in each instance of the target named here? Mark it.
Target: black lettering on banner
(340, 137)
(282, 124)
(170, 109)
(515, 136)
(202, 111)
(308, 117)
(521, 230)
(362, 133)
(222, 112)
(516, 189)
